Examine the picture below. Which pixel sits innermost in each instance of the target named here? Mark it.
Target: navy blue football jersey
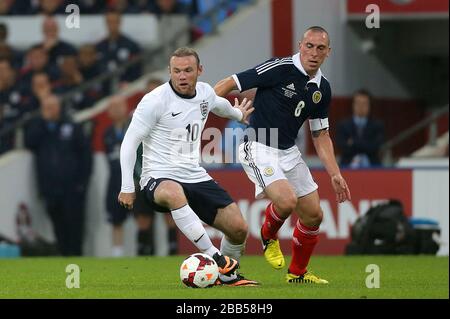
(285, 98)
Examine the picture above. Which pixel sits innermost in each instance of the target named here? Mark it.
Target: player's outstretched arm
(225, 86)
(240, 112)
(324, 148)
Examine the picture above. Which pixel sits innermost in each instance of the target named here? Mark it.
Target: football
(199, 271)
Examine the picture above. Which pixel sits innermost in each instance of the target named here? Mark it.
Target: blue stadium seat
(206, 5)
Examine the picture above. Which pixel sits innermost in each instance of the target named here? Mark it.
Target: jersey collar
(316, 79)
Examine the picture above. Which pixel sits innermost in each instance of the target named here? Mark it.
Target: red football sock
(303, 242)
(272, 223)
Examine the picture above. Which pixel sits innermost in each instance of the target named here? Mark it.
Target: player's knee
(170, 193)
(316, 216)
(286, 204)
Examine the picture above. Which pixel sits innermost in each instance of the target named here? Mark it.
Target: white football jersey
(170, 127)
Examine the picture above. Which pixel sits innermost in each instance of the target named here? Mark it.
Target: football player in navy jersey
(290, 90)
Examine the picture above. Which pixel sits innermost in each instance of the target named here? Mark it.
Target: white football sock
(231, 250)
(191, 226)
(211, 251)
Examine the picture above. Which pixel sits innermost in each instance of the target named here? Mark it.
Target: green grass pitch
(158, 277)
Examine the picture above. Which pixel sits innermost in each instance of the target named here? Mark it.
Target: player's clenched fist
(127, 199)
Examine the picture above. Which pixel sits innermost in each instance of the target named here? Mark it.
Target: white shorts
(265, 165)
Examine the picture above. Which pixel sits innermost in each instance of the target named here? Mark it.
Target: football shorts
(265, 165)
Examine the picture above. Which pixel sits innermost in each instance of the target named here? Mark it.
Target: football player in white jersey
(169, 122)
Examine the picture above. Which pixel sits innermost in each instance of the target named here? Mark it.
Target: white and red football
(199, 271)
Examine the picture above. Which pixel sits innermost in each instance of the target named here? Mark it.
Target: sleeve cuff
(318, 124)
(236, 79)
(127, 189)
(238, 114)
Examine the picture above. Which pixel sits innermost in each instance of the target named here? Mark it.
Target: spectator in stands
(7, 51)
(88, 62)
(63, 163)
(37, 61)
(70, 79)
(69, 71)
(40, 85)
(118, 113)
(118, 49)
(40, 89)
(51, 7)
(5, 6)
(26, 7)
(9, 104)
(6, 141)
(360, 137)
(91, 6)
(123, 6)
(55, 47)
(90, 69)
(11, 94)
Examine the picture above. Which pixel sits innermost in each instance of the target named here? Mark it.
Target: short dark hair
(38, 46)
(364, 92)
(113, 11)
(317, 28)
(185, 51)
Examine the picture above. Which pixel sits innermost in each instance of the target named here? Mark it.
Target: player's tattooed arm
(321, 132)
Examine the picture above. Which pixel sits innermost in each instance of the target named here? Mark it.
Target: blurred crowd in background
(33, 83)
(50, 7)
(55, 66)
